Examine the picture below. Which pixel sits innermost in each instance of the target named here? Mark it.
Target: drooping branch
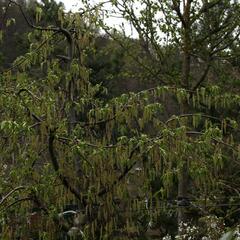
(200, 114)
(215, 140)
(125, 106)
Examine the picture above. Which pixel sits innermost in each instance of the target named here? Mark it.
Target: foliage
(75, 162)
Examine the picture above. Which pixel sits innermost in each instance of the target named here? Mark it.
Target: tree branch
(176, 8)
(205, 7)
(56, 167)
(121, 177)
(203, 77)
(10, 193)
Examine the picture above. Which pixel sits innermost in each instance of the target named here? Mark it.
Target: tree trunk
(183, 183)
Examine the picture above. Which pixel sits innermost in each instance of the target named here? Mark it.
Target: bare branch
(203, 77)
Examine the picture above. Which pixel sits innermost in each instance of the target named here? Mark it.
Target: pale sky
(74, 5)
(70, 4)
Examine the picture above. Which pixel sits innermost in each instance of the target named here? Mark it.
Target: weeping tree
(76, 163)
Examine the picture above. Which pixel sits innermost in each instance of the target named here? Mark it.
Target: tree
(202, 30)
(103, 168)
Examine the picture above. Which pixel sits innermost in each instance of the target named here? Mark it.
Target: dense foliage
(108, 137)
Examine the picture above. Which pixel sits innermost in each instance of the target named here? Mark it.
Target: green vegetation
(107, 137)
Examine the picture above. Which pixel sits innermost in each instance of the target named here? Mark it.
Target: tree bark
(186, 68)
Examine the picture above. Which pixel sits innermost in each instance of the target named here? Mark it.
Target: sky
(74, 5)
(70, 4)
